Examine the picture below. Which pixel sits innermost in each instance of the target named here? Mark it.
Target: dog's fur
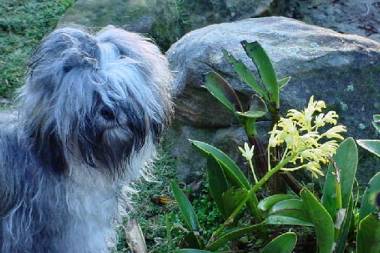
(90, 112)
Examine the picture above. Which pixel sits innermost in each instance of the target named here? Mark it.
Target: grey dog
(89, 115)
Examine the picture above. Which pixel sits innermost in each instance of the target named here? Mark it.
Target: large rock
(349, 16)
(341, 69)
(165, 20)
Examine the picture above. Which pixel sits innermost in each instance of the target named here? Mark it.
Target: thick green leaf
(217, 183)
(231, 200)
(252, 114)
(369, 204)
(291, 208)
(232, 171)
(343, 170)
(225, 161)
(346, 160)
(287, 204)
(192, 251)
(185, 207)
(257, 109)
(232, 234)
(321, 219)
(284, 81)
(284, 243)
(245, 74)
(344, 227)
(222, 91)
(376, 122)
(368, 237)
(260, 58)
(329, 192)
(287, 219)
(192, 240)
(268, 202)
(372, 146)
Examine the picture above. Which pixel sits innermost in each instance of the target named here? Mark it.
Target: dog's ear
(49, 150)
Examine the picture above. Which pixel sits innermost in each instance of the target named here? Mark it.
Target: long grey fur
(89, 115)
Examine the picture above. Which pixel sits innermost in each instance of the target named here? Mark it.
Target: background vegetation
(23, 23)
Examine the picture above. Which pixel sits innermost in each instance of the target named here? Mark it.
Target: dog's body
(90, 113)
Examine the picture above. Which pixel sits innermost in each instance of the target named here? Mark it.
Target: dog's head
(94, 99)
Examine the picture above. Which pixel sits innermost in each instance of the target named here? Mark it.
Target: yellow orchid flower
(304, 144)
(247, 153)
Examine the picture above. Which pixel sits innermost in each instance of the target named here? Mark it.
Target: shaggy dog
(90, 112)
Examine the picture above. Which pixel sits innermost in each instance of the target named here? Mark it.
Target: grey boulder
(342, 69)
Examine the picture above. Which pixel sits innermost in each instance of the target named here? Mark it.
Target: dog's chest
(92, 202)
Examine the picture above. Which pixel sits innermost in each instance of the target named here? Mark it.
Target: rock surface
(341, 69)
(164, 20)
(349, 16)
(167, 20)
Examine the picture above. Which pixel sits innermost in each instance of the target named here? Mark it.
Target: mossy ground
(23, 23)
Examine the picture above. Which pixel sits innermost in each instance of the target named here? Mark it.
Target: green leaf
(222, 91)
(291, 208)
(232, 234)
(260, 58)
(225, 161)
(284, 81)
(284, 243)
(287, 204)
(346, 160)
(252, 114)
(231, 170)
(217, 183)
(321, 219)
(192, 240)
(343, 170)
(231, 200)
(287, 220)
(268, 202)
(185, 207)
(257, 109)
(376, 122)
(368, 237)
(329, 192)
(372, 146)
(344, 229)
(245, 74)
(192, 251)
(369, 204)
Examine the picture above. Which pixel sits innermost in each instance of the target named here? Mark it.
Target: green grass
(23, 23)
(162, 224)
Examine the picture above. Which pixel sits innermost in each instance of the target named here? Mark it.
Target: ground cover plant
(23, 23)
(157, 213)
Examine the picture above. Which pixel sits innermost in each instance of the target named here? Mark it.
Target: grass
(23, 23)
(158, 214)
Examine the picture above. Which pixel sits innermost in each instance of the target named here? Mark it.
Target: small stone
(343, 106)
(350, 88)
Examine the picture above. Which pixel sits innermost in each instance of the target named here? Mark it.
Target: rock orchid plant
(308, 140)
